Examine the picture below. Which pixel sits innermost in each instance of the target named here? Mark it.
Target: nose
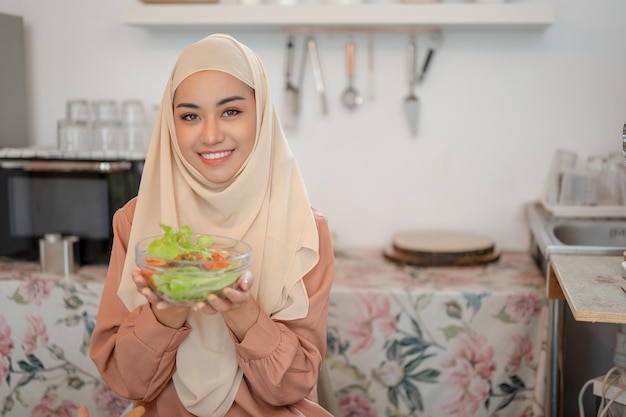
(212, 132)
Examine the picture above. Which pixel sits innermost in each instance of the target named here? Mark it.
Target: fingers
(215, 304)
(136, 412)
(244, 282)
(139, 279)
(144, 288)
(231, 299)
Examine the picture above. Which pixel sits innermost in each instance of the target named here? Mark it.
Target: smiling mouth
(216, 155)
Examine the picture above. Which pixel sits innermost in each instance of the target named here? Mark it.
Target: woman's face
(215, 121)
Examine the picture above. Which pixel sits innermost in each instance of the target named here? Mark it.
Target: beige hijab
(265, 204)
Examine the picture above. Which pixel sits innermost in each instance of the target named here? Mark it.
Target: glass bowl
(192, 275)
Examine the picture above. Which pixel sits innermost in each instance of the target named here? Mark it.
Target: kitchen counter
(592, 285)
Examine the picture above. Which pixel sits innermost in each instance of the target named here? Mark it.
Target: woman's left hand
(232, 298)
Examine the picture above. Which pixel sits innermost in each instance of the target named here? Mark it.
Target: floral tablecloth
(459, 341)
(45, 330)
(402, 341)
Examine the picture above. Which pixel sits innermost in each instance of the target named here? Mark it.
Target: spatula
(411, 102)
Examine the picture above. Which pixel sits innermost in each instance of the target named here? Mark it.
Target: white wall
(495, 106)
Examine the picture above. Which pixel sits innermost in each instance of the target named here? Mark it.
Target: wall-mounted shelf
(326, 16)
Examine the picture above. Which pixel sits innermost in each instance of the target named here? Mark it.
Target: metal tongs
(317, 72)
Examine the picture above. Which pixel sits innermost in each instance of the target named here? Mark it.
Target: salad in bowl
(184, 267)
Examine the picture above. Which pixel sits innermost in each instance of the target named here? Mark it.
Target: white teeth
(216, 155)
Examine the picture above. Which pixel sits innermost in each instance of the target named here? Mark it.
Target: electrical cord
(606, 384)
(581, 410)
(605, 388)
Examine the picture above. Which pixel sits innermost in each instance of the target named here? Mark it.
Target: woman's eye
(231, 112)
(189, 116)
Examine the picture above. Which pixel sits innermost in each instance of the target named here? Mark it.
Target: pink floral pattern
(108, 404)
(355, 405)
(34, 291)
(6, 343)
(4, 367)
(523, 307)
(389, 374)
(36, 334)
(464, 342)
(459, 342)
(475, 350)
(466, 389)
(45, 331)
(468, 371)
(522, 355)
(371, 314)
(51, 406)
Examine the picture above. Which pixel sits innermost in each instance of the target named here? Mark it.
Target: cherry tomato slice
(155, 262)
(216, 265)
(217, 257)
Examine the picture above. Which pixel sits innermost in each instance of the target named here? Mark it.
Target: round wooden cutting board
(441, 248)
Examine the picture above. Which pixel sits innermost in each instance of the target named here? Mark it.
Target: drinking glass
(73, 136)
(105, 139)
(580, 187)
(133, 113)
(77, 111)
(135, 139)
(562, 161)
(134, 129)
(105, 111)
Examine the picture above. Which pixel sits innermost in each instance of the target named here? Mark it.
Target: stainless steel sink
(582, 236)
(603, 234)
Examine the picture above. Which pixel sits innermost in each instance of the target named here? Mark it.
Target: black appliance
(13, 97)
(45, 192)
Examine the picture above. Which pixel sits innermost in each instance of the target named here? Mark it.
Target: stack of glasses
(104, 128)
(598, 180)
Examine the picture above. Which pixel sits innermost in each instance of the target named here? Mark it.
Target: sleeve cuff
(261, 340)
(158, 337)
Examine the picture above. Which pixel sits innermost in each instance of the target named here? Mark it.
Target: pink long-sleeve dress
(280, 360)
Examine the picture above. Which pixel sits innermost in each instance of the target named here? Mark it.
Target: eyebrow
(221, 102)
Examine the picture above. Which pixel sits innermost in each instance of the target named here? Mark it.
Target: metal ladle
(351, 96)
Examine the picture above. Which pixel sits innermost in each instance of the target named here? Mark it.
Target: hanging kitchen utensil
(370, 67)
(291, 91)
(300, 86)
(411, 102)
(435, 41)
(351, 96)
(429, 56)
(317, 72)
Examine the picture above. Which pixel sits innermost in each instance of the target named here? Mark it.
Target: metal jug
(58, 254)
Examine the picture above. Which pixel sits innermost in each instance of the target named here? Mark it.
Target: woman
(219, 163)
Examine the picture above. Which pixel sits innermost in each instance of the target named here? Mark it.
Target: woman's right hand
(169, 315)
